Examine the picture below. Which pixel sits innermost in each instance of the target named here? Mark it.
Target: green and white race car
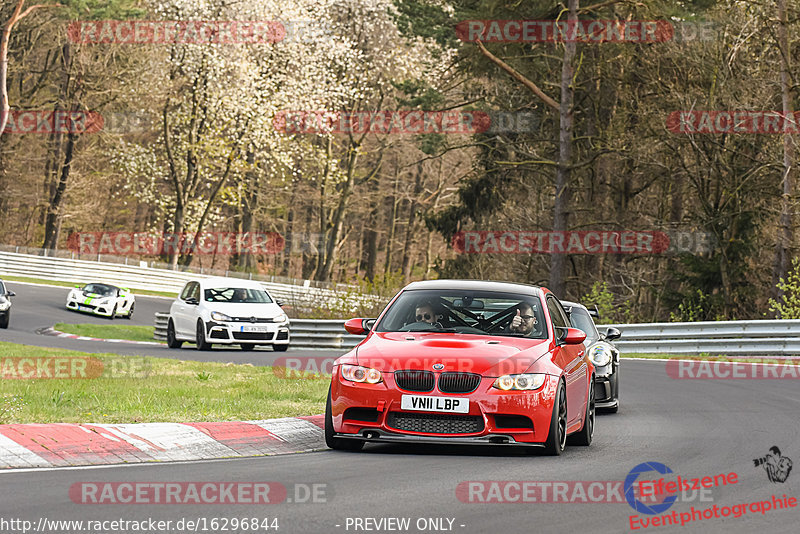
(102, 299)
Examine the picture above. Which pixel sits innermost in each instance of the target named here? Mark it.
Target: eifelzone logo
(777, 467)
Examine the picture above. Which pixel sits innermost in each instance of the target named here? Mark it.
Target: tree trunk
(337, 222)
(561, 202)
(784, 242)
(52, 221)
(387, 267)
(412, 217)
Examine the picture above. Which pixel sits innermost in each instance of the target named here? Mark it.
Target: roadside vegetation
(134, 389)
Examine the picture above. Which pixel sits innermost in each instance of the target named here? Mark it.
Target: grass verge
(59, 283)
(134, 389)
(115, 331)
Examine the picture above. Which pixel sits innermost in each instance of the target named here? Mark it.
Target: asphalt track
(697, 428)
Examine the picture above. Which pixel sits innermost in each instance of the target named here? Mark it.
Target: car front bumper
(259, 333)
(373, 412)
(95, 309)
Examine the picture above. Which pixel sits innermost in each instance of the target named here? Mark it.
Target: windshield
(465, 312)
(2, 289)
(237, 295)
(581, 320)
(100, 289)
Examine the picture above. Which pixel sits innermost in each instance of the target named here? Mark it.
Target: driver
(425, 313)
(524, 321)
(240, 295)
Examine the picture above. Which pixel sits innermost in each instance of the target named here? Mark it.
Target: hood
(240, 309)
(485, 355)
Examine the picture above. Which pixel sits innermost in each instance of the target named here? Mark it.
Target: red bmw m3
(464, 362)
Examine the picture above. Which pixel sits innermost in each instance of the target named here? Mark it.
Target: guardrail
(164, 280)
(741, 338)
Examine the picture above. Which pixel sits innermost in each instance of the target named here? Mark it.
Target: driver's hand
(516, 322)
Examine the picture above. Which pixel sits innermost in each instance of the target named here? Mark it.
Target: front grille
(253, 336)
(458, 382)
(250, 320)
(431, 423)
(414, 380)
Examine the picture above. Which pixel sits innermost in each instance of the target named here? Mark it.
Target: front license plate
(434, 404)
(254, 329)
(85, 308)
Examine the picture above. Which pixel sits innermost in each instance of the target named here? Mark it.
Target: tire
(200, 336)
(130, 313)
(5, 319)
(113, 313)
(280, 348)
(172, 341)
(557, 436)
(338, 444)
(583, 437)
(247, 346)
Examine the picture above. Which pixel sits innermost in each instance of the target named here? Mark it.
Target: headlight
(600, 355)
(217, 316)
(281, 318)
(356, 373)
(103, 301)
(4, 304)
(526, 381)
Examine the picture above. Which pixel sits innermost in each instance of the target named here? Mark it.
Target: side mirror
(78, 286)
(612, 334)
(193, 301)
(11, 294)
(359, 327)
(279, 303)
(574, 336)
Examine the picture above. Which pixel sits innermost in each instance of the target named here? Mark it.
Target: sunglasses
(527, 317)
(426, 317)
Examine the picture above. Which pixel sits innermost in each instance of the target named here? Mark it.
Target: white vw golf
(227, 311)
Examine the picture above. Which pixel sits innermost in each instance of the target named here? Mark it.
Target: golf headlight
(600, 355)
(356, 373)
(4, 304)
(526, 381)
(280, 318)
(217, 316)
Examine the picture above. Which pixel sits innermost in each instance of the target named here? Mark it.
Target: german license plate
(85, 308)
(434, 404)
(254, 329)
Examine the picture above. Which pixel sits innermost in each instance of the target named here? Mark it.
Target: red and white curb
(68, 444)
(53, 332)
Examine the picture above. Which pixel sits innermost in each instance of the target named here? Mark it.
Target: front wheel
(247, 346)
(113, 313)
(557, 436)
(130, 313)
(200, 338)
(172, 341)
(5, 319)
(280, 348)
(338, 444)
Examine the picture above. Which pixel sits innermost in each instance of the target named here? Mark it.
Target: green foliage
(601, 297)
(104, 9)
(693, 308)
(788, 306)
